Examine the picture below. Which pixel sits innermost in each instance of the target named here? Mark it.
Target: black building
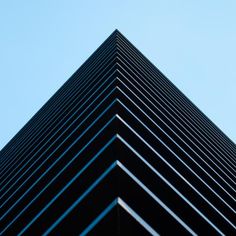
(118, 150)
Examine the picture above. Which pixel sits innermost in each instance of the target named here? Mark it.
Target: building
(118, 149)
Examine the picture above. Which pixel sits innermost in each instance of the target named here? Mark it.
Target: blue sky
(43, 42)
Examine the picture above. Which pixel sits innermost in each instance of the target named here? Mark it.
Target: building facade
(118, 150)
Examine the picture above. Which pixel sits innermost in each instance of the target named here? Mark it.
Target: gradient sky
(43, 42)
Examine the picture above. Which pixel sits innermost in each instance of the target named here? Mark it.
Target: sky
(43, 42)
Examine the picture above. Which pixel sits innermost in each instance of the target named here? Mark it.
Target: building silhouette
(118, 150)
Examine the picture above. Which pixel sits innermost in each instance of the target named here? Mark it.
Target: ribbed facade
(118, 150)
